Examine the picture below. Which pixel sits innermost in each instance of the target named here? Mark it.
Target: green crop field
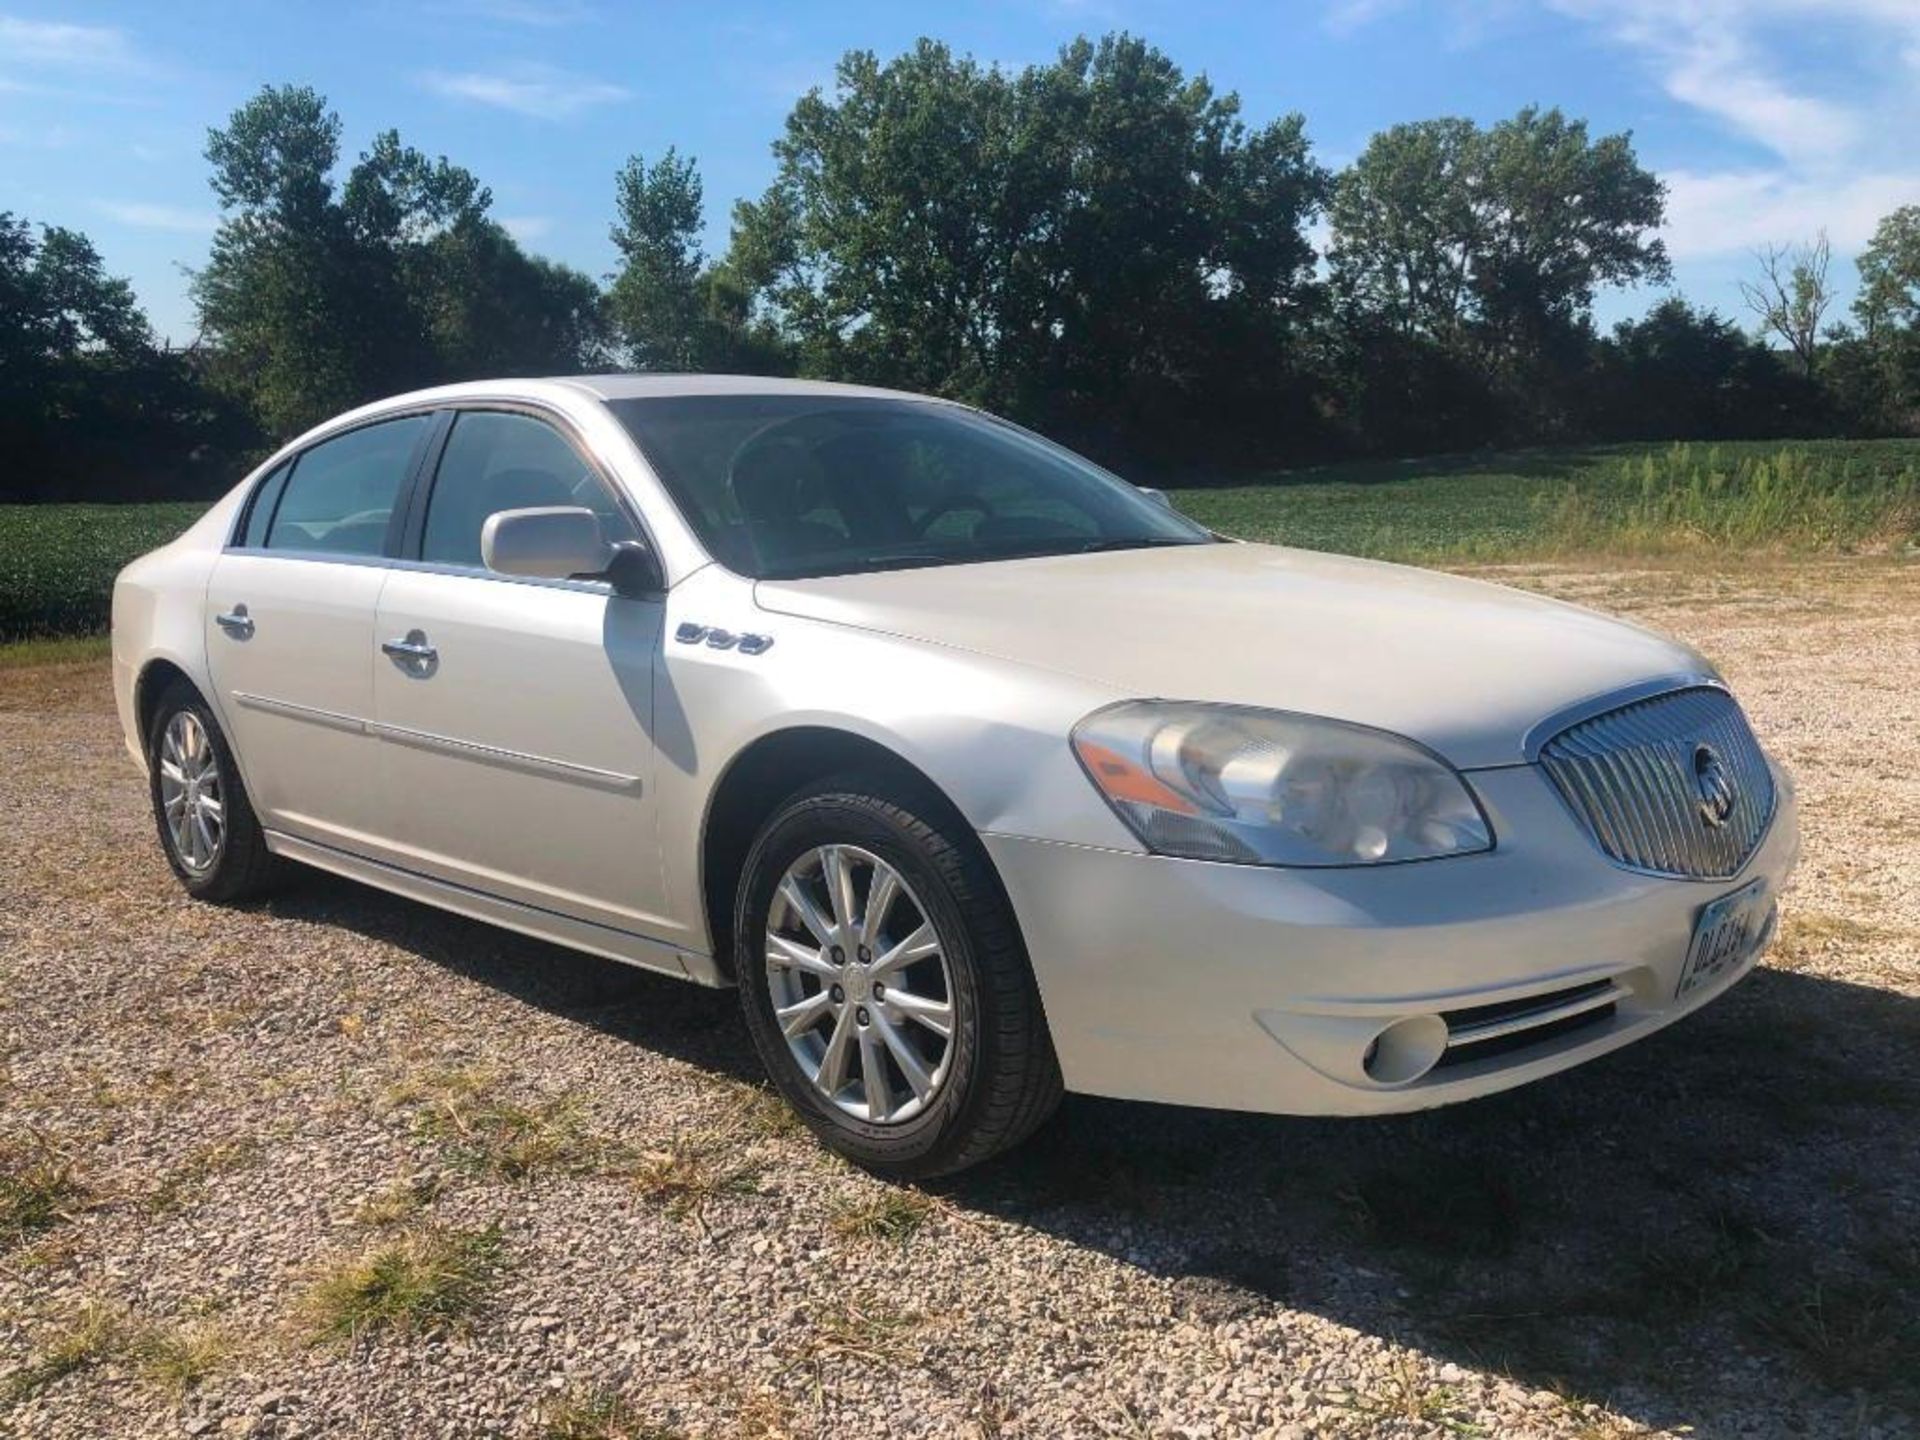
(57, 562)
(1818, 496)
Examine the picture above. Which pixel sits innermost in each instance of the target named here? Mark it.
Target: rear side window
(496, 460)
(342, 492)
(260, 511)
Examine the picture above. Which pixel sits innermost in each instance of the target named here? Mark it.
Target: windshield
(785, 486)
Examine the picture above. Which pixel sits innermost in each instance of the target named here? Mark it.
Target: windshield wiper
(1137, 542)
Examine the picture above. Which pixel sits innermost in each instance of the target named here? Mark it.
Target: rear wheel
(207, 825)
(885, 984)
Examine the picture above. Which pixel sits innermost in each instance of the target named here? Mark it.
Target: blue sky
(1768, 118)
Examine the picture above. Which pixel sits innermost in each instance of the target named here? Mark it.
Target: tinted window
(793, 485)
(342, 491)
(260, 510)
(497, 461)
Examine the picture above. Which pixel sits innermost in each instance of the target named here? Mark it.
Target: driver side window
(498, 460)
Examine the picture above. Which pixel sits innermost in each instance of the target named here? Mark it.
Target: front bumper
(1251, 988)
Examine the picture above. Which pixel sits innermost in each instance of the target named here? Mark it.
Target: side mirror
(554, 542)
(634, 570)
(1159, 497)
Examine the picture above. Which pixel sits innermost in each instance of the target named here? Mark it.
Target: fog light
(1406, 1050)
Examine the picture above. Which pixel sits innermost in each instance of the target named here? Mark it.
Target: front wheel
(884, 982)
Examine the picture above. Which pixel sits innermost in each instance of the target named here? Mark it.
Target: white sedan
(981, 773)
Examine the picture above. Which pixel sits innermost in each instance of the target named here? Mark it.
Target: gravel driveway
(228, 1137)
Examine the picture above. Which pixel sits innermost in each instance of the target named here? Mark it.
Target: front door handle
(236, 622)
(413, 653)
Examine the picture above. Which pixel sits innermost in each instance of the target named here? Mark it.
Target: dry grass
(95, 1333)
(178, 1358)
(867, 1331)
(597, 1414)
(40, 1186)
(692, 1169)
(891, 1215)
(1406, 1396)
(467, 1113)
(400, 1203)
(428, 1279)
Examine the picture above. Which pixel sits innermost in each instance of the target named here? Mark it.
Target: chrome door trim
(332, 719)
(506, 759)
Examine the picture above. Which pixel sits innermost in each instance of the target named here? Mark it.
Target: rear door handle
(412, 653)
(236, 622)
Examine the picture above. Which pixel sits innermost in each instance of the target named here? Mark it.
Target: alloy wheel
(192, 794)
(860, 984)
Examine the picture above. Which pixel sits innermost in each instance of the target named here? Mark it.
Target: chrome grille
(1632, 776)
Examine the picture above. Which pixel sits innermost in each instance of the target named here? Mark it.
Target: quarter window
(497, 460)
(342, 491)
(260, 512)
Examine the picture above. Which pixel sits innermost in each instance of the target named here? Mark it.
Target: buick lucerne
(979, 772)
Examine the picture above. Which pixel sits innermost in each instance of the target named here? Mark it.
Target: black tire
(241, 866)
(1003, 1079)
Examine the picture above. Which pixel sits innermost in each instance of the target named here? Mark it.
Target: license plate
(1724, 935)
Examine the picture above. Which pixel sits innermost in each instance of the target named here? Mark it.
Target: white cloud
(1838, 135)
(1709, 54)
(1735, 211)
(53, 42)
(526, 228)
(144, 216)
(537, 90)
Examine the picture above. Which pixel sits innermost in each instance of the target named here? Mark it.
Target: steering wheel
(940, 509)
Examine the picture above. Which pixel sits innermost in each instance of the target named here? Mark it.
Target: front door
(290, 638)
(514, 714)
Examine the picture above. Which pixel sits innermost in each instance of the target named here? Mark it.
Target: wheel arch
(156, 677)
(767, 773)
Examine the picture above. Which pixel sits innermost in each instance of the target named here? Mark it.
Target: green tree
(1688, 374)
(669, 308)
(655, 300)
(1889, 298)
(1493, 241)
(88, 407)
(320, 296)
(1083, 244)
(57, 301)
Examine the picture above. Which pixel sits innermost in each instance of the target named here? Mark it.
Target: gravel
(1712, 1233)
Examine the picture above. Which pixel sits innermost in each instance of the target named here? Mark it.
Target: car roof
(637, 387)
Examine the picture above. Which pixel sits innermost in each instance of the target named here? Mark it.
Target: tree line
(1102, 247)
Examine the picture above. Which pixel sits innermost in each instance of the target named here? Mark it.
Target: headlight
(1260, 787)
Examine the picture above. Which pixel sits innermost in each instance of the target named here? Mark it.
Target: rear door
(515, 714)
(289, 629)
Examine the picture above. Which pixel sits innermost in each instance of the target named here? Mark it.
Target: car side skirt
(575, 934)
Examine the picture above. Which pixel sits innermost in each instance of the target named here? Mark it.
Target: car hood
(1464, 667)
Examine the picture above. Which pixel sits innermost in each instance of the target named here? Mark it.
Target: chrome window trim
(480, 572)
(290, 453)
(311, 557)
(570, 432)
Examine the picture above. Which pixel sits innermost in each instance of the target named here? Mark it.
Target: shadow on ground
(1730, 1208)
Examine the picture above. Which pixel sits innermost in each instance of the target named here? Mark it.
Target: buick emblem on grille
(1713, 781)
